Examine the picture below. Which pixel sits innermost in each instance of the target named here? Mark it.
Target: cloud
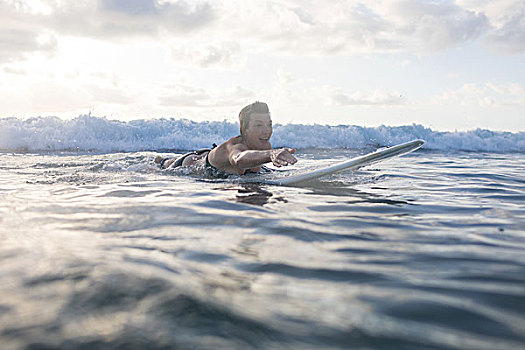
(14, 70)
(205, 55)
(48, 96)
(222, 33)
(15, 43)
(507, 23)
(105, 19)
(202, 31)
(18, 38)
(120, 19)
(350, 27)
(509, 38)
(358, 98)
(298, 28)
(436, 25)
(291, 90)
(190, 96)
(186, 96)
(484, 95)
(110, 95)
(131, 7)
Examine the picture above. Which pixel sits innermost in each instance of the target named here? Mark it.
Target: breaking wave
(90, 133)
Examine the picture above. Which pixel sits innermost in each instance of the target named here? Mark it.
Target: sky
(447, 65)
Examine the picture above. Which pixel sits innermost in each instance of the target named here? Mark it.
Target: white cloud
(119, 19)
(289, 90)
(103, 19)
(510, 38)
(300, 27)
(484, 95)
(186, 96)
(190, 96)
(47, 96)
(207, 55)
(507, 23)
(19, 37)
(106, 94)
(359, 98)
(350, 27)
(437, 26)
(14, 70)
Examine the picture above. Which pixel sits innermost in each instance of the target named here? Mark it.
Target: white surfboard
(350, 164)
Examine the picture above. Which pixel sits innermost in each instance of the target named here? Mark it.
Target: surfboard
(351, 164)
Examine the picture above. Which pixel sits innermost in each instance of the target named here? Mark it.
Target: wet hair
(246, 112)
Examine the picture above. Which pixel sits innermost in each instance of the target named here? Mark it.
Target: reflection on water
(405, 256)
(345, 189)
(256, 194)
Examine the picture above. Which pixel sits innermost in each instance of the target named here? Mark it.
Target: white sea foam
(89, 133)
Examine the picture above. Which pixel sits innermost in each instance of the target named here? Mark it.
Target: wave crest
(90, 133)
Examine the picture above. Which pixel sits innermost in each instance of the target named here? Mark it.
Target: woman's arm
(246, 159)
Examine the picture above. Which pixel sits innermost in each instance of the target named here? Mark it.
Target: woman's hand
(282, 157)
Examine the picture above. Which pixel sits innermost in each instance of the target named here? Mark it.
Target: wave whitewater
(90, 133)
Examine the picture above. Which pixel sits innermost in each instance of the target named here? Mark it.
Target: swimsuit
(208, 165)
(212, 170)
(179, 160)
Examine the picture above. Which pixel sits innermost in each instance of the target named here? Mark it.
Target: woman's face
(257, 134)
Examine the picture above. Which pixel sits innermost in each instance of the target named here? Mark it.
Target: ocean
(100, 249)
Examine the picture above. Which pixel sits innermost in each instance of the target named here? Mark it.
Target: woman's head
(246, 112)
(256, 126)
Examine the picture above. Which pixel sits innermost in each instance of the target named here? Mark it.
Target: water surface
(105, 251)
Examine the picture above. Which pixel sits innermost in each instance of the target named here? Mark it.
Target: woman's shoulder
(235, 140)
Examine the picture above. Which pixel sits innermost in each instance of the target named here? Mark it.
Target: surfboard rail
(350, 164)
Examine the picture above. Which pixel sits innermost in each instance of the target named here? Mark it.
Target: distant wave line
(90, 133)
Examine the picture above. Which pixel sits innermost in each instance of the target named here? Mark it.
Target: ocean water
(100, 249)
